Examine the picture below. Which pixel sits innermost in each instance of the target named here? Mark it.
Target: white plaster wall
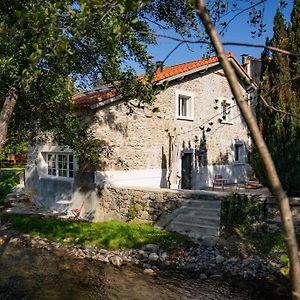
(155, 178)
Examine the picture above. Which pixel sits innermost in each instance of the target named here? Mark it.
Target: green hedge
(242, 209)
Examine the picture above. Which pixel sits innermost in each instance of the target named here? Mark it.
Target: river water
(27, 273)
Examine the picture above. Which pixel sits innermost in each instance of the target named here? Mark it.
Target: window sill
(184, 119)
(227, 123)
(57, 178)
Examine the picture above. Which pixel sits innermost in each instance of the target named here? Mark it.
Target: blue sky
(239, 31)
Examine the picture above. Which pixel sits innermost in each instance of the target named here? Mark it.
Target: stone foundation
(142, 204)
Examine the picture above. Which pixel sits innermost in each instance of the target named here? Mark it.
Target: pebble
(203, 276)
(219, 259)
(209, 241)
(151, 248)
(150, 272)
(153, 257)
(116, 261)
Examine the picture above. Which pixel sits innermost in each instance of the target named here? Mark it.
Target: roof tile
(86, 99)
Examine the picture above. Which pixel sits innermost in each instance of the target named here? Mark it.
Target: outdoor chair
(74, 213)
(218, 181)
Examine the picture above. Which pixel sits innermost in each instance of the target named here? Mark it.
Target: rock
(102, 258)
(209, 241)
(231, 260)
(116, 260)
(216, 276)
(149, 272)
(153, 257)
(143, 254)
(203, 276)
(246, 261)
(163, 256)
(14, 241)
(103, 251)
(151, 248)
(219, 259)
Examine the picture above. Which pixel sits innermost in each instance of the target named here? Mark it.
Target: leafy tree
(48, 46)
(279, 88)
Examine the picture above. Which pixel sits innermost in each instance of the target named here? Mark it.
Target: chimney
(245, 58)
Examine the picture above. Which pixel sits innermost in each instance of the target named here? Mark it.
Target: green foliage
(241, 209)
(285, 269)
(280, 83)
(7, 184)
(110, 234)
(132, 211)
(48, 49)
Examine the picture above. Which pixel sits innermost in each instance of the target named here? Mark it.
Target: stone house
(191, 133)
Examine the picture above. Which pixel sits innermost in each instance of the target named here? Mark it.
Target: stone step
(199, 221)
(195, 211)
(202, 204)
(194, 230)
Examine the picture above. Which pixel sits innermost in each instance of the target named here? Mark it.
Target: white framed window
(60, 165)
(184, 105)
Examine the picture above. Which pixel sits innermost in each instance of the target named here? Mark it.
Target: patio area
(239, 188)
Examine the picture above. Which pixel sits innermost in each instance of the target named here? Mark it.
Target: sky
(239, 31)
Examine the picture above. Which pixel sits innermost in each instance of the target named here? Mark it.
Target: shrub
(7, 184)
(132, 211)
(241, 209)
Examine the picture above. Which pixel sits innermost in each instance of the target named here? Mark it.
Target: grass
(109, 235)
(267, 244)
(7, 184)
(14, 168)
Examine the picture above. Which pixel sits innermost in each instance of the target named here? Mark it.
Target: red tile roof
(86, 99)
(90, 98)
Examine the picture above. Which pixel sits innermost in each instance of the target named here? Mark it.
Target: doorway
(186, 171)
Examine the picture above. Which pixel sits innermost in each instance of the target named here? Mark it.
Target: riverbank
(30, 273)
(157, 250)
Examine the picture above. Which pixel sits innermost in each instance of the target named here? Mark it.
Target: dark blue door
(186, 171)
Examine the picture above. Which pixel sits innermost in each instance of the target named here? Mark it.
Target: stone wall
(141, 139)
(148, 203)
(144, 139)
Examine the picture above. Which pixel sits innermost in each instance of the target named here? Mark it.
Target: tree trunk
(274, 181)
(5, 115)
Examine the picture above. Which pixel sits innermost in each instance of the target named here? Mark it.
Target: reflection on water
(37, 274)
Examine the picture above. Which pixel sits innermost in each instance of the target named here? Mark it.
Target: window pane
(52, 164)
(184, 107)
(62, 173)
(71, 166)
(62, 165)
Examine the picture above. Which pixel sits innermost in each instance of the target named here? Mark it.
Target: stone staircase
(197, 217)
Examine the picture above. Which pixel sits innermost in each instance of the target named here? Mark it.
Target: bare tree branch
(239, 13)
(274, 181)
(274, 49)
(277, 109)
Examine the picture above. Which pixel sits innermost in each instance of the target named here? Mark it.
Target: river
(27, 273)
